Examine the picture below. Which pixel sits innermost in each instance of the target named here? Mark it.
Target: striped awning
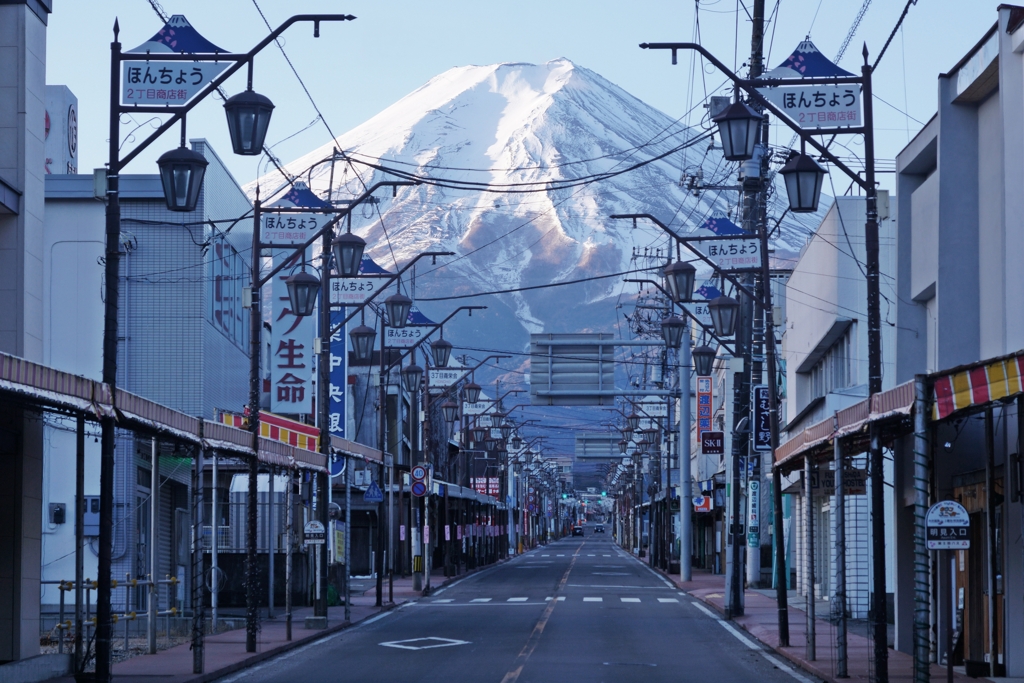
(977, 385)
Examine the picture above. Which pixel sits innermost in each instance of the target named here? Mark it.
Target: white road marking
(560, 599)
(517, 600)
(591, 555)
(480, 600)
(668, 600)
(444, 600)
(424, 643)
(705, 610)
(593, 599)
(630, 599)
(788, 669)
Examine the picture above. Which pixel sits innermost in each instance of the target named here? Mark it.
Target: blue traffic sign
(337, 464)
(373, 494)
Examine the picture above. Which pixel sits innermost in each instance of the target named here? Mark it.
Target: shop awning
(977, 384)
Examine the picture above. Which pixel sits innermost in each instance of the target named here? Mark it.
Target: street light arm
(240, 60)
(687, 312)
(334, 221)
(749, 86)
(682, 240)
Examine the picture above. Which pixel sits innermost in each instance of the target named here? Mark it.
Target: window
(228, 274)
(835, 369)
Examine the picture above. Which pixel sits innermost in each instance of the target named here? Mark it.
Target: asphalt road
(579, 609)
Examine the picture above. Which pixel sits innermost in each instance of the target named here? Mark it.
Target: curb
(281, 649)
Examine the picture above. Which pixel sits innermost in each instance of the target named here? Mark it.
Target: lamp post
(181, 179)
(867, 183)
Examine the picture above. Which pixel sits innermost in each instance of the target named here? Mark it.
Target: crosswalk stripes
(593, 599)
(561, 598)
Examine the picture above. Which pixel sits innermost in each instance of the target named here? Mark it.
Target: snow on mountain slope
(505, 124)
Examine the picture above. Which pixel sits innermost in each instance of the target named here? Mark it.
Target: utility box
(58, 513)
(91, 516)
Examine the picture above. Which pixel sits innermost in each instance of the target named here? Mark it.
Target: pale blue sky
(358, 68)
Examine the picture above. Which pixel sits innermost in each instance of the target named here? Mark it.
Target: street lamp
(412, 375)
(248, 115)
(362, 342)
(724, 311)
(633, 420)
(803, 178)
(738, 126)
(348, 253)
(471, 392)
(506, 430)
(181, 174)
(450, 411)
(704, 359)
(302, 291)
(679, 276)
(517, 442)
(398, 306)
(441, 351)
(477, 434)
(672, 329)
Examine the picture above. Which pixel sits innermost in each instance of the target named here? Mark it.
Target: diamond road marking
(424, 643)
(517, 600)
(444, 600)
(668, 600)
(630, 599)
(593, 599)
(480, 600)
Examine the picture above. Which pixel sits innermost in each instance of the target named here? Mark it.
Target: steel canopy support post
(811, 651)
(79, 538)
(323, 405)
(922, 567)
(197, 587)
(685, 468)
(840, 536)
(154, 545)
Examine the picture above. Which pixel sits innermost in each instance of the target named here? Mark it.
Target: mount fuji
(565, 148)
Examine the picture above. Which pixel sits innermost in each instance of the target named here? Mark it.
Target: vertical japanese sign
(338, 375)
(703, 406)
(291, 347)
(753, 513)
(761, 407)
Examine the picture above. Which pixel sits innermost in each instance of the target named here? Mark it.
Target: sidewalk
(760, 619)
(225, 651)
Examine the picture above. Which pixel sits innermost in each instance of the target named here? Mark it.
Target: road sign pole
(685, 468)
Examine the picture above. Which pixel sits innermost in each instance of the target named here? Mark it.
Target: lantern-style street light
(348, 253)
(679, 276)
(672, 329)
(302, 290)
(412, 375)
(803, 178)
(450, 411)
(248, 115)
(362, 342)
(633, 420)
(738, 126)
(441, 351)
(398, 307)
(471, 392)
(724, 311)
(704, 359)
(181, 174)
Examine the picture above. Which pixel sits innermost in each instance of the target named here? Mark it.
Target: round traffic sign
(418, 488)
(419, 472)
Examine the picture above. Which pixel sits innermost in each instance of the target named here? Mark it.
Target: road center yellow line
(531, 644)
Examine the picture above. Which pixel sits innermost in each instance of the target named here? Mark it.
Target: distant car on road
(577, 531)
(599, 529)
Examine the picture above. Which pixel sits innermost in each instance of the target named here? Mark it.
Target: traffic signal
(564, 496)
(604, 493)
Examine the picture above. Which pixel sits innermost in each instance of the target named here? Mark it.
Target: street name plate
(290, 229)
(700, 311)
(356, 290)
(735, 253)
(405, 337)
(165, 82)
(817, 106)
(440, 378)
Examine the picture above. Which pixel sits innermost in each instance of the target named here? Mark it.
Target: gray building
(960, 286)
(22, 167)
(184, 344)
